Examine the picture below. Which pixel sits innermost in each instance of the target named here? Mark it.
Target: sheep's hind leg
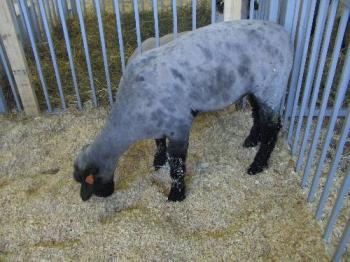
(160, 156)
(177, 161)
(270, 126)
(254, 136)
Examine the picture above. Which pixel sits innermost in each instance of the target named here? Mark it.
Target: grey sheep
(163, 90)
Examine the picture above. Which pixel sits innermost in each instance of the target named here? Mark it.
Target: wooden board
(232, 9)
(16, 57)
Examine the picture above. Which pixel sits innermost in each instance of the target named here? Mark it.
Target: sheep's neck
(110, 144)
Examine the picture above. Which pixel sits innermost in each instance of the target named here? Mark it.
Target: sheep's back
(212, 67)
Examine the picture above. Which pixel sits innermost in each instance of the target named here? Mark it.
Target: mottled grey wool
(205, 70)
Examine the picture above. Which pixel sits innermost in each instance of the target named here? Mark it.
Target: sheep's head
(87, 174)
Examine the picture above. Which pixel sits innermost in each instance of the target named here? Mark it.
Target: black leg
(160, 157)
(254, 136)
(177, 161)
(270, 126)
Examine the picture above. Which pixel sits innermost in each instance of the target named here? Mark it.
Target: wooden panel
(17, 60)
(232, 9)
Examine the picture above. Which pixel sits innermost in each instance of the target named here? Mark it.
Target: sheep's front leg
(270, 126)
(177, 160)
(160, 156)
(255, 135)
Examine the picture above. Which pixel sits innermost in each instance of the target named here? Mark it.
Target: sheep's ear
(86, 191)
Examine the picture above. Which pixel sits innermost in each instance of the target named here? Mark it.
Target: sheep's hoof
(250, 142)
(159, 161)
(177, 194)
(255, 168)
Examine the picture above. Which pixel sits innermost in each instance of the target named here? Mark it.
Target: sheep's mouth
(104, 189)
(90, 187)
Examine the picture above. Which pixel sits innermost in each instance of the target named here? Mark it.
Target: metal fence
(321, 66)
(315, 115)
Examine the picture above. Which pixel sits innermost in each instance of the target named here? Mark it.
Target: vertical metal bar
(343, 242)
(174, 19)
(266, 10)
(69, 52)
(213, 10)
(297, 60)
(263, 3)
(3, 104)
(295, 19)
(10, 78)
(102, 7)
(288, 25)
(87, 54)
(38, 18)
(194, 14)
(319, 74)
(54, 11)
(338, 203)
(263, 9)
(344, 81)
(18, 28)
(52, 53)
(34, 16)
(334, 165)
(156, 23)
(251, 9)
(301, 74)
(274, 7)
(288, 19)
(104, 50)
(23, 23)
(326, 92)
(48, 11)
(65, 7)
(83, 4)
(67, 3)
(74, 7)
(22, 31)
(36, 55)
(137, 21)
(120, 35)
(259, 9)
(316, 43)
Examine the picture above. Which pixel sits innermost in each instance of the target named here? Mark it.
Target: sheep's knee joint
(160, 157)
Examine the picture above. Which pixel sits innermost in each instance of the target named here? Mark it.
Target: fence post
(17, 60)
(232, 9)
